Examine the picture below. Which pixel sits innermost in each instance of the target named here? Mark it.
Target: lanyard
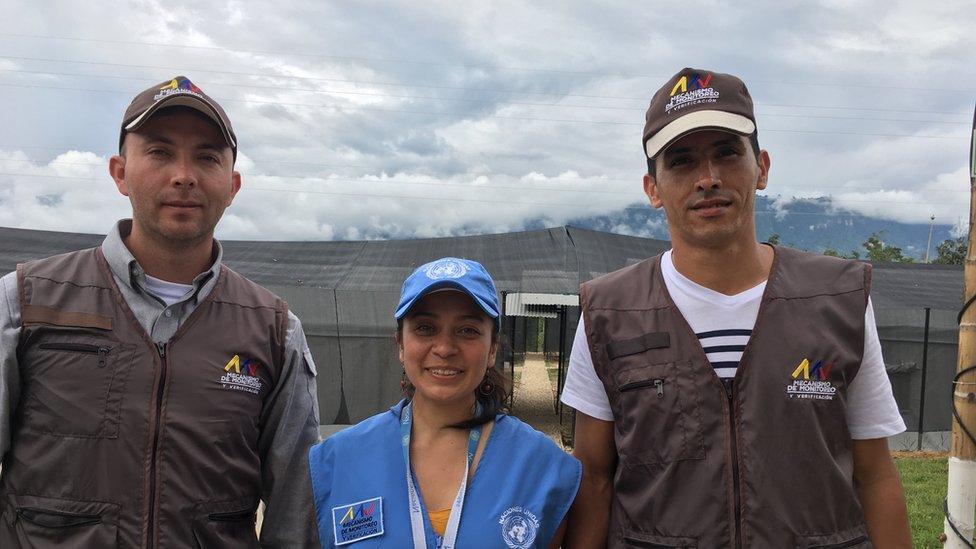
(416, 513)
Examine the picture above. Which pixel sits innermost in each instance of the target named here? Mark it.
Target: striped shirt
(723, 323)
(723, 348)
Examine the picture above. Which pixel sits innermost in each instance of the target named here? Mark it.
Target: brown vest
(765, 464)
(120, 442)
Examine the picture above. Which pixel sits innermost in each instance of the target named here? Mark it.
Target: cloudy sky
(415, 119)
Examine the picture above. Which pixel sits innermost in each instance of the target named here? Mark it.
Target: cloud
(903, 179)
(370, 120)
(72, 192)
(407, 205)
(937, 197)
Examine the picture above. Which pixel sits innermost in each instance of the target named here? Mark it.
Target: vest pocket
(233, 516)
(74, 383)
(841, 540)
(33, 521)
(657, 419)
(56, 519)
(641, 539)
(225, 524)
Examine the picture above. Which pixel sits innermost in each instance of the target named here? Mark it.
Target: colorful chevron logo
(355, 521)
(247, 366)
(181, 83)
(819, 370)
(812, 382)
(697, 82)
(362, 510)
(691, 90)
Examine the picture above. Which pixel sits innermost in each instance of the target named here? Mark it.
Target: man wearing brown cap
(729, 393)
(149, 395)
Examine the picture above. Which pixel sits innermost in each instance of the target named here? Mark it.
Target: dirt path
(534, 398)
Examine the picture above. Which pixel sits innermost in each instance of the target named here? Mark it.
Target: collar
(397, 409)
(125, 267)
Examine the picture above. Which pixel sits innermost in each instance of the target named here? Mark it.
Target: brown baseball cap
(693, 100)
(178, 91)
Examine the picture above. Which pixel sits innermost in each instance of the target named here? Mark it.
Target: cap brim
(184, 100)
(444, 285)
(695, 121)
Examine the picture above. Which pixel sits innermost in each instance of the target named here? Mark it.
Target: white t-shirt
(723, 324)
(169, 292)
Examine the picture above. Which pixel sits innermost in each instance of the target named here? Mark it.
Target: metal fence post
(511, 373)
(925, 365)
(560, 377)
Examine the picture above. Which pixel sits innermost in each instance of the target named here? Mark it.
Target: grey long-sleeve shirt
(292, 424)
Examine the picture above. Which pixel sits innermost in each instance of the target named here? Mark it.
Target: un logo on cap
(446, 268)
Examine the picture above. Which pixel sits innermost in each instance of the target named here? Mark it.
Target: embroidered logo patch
(357, 521)
(242, 375)
(812, 382)
(691, 91)
(519, 527)
(178, 85)
(446, 268)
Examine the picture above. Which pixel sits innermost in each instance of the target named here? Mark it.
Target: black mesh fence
(316, 307)
(345, 293)
(921, 359)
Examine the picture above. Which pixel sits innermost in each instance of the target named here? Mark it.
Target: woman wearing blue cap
(445, 467)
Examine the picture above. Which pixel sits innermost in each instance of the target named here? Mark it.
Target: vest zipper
(729, 391)
(161, 349)
(101, 352)
(657, 383)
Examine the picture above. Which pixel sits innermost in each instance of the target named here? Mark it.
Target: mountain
(808, 224)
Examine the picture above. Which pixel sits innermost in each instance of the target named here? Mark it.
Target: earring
(486, 387)
(403, 380)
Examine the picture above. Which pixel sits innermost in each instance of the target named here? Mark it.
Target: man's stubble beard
(705, 236)
(178, 238)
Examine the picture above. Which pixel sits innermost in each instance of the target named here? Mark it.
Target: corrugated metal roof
(538, 305)
(571, 300)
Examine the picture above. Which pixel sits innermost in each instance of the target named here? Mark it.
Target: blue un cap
(450, 273)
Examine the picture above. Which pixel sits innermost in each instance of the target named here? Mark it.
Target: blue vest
(517, 497)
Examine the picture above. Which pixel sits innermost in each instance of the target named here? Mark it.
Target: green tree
(832, 252)
(952, 251)
(773, 239)
(877, 250)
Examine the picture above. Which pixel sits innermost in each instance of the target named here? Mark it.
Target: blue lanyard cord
(416, 512)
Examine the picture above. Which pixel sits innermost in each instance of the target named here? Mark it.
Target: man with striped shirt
(704, 168)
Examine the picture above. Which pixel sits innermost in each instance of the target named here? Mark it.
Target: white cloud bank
(363, 120)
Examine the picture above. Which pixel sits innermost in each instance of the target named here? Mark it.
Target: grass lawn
(924, 477)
